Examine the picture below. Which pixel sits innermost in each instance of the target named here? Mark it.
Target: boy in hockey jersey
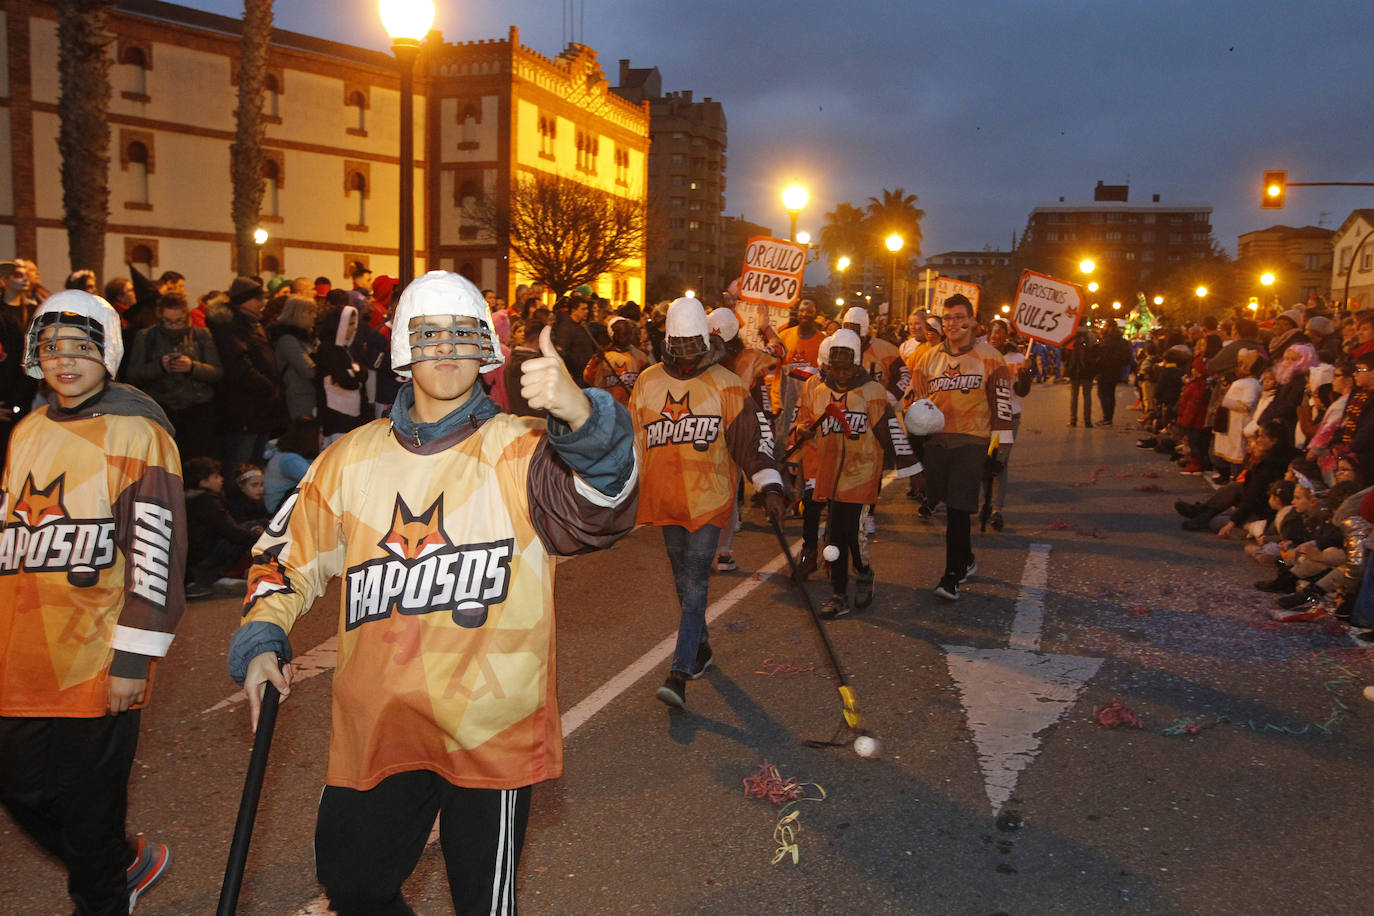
(443, 521)
(694, 425)
(92, 555)
(969, 382)
(849, 458)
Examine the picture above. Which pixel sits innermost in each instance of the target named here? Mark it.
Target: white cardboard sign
(773, 271)
(946, 287)
(1047, 309)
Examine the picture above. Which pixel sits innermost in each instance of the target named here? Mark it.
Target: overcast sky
(982, 108)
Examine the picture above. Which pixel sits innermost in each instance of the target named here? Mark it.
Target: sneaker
(150, 861)
(948, 587)
(195, 591)
(926, 510)
(1103, 423)
(704, 660)
(1147, 443)
(998, 523)
(969, 569)
(806, 565)
(1191, 469)
(837, 606)
(1297, 600)
(725, 563)
(863, 589)
(674, 690)
(870, 525)
(1187, 509)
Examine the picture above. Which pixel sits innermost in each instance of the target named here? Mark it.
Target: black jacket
(249, 398)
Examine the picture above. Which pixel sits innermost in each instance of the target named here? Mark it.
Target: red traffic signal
(1275, 186)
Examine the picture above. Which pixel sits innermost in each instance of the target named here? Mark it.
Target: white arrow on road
(1011, 695)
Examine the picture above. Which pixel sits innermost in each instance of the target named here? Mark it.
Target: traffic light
(1275, 186)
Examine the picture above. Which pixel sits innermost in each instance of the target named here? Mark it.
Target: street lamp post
(259, 239)
(1201, 293)
(894, 244)
(407, 21)
(794, 199)
(841, 266)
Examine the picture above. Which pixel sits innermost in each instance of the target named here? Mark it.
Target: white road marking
(1011, 695)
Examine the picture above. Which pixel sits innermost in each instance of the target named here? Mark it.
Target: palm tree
(896, 211)
(83, 134)
(845, 233)
(245, 154)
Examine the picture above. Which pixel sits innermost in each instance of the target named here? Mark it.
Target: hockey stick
(248, 805)
(864, 744)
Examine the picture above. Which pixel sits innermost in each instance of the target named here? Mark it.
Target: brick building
(1299, 259)
(1131, 244)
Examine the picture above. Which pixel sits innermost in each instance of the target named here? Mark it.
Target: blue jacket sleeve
(601, 452)
(251, 640)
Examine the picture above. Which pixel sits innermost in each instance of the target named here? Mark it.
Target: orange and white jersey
(446, 616)
(691, 437)
(972, 389)
(616, 371)
(882, 361)
(797, 353)
(848, 454)
(92, 557)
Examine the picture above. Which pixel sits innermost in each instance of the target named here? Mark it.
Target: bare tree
(245, 154)
(566, 233)
(83, 134)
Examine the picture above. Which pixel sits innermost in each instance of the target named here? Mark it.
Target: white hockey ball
(867, 746)
(831, 553)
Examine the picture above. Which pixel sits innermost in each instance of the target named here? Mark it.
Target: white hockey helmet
(686, 333)
(844, 339)
(76, 308)
(823, 352)
(440, 293)
(923, 418)
(859, 316)
(724, 323)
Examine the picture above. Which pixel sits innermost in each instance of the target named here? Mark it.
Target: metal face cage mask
(427, 324)
(90, 315)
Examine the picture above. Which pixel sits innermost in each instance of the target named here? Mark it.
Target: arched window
(270, 266)
(357, 190)
(135, 70)
(271, 191)
(470, 118)
(357, 104)
(271, 97)
(141, 256)
(137, 154)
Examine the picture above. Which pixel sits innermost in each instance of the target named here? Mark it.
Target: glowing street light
(690, 293)
(839, 301)
(803, 238)
(843, 263)
(407, 21)
(1006, 309)
(259, 239)
(1159, 300)
(1092, 287)
(1201, 292)
(793, 201)
(894, 244)
(1116, 306)
(1086, 266)
(1267, 279)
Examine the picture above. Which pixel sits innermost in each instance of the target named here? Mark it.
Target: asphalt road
(1244, 790)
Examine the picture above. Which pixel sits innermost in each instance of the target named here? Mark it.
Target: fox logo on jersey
(680, 426)
(849, 423)
(426, 572)
(40, 536)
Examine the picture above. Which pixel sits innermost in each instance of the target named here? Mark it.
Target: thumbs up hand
(546, 385)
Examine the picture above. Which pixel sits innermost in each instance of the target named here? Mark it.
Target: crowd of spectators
(1273, 415)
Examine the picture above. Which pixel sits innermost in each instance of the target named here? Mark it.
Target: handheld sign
(770, 284)
(946, 287)
(1047, 309)
(773, 271)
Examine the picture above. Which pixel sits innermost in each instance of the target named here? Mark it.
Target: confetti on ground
(1116, 713)
(770, 668)
(768, 783)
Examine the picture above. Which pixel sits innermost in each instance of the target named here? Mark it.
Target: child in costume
(443, 522)
(92, 556)
(849, 459)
